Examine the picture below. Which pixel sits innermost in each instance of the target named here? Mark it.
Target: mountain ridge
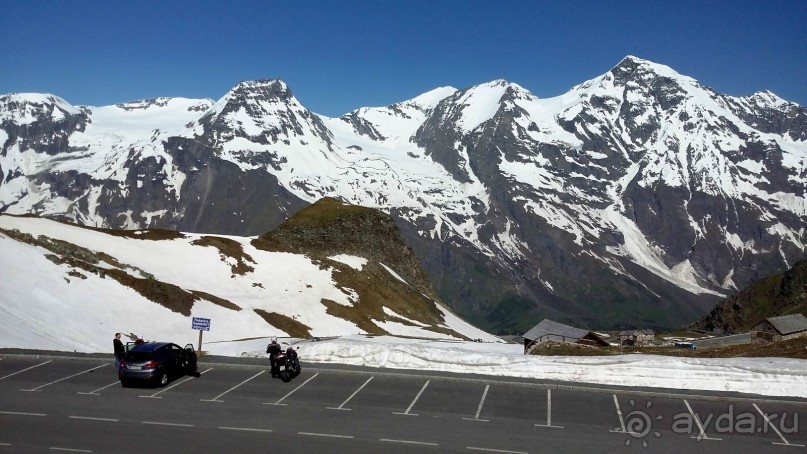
(658, 193)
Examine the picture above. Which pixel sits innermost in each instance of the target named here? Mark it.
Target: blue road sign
(202, 324)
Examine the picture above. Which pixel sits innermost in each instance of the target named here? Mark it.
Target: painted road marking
(65, 378)
(702, 435)
(408, 442)
(314, 434)
(19, 413)
(171, 424)
(291, 392)
(216, 399)
(623, 430)
(90, 418)
(351, 396)
(413, 402)
(21, 371)
(549, 412)
(473, 448)
(95, 392)
(245, 429)
(155, 395)
(69, 449)
(479, 410)
(772, 426)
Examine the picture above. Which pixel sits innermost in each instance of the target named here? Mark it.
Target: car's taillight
(151, 365)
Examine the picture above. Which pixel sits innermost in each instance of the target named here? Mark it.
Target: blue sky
(340, 55)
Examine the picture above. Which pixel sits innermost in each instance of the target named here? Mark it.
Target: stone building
(784, 327)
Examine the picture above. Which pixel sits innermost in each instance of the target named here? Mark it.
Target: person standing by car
(119, 351)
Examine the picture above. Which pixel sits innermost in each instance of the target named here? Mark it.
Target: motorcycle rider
(274, 349)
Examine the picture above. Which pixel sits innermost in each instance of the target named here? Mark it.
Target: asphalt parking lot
(66, 403)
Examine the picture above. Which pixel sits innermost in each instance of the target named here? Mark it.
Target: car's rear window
(139, 356)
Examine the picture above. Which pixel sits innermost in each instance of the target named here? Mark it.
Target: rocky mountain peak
(767, 98)
(634, 71)
(265, 89)
(24, 108)
(262, 111)
(41, 122)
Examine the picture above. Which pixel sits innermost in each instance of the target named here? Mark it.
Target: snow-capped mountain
(637, 198)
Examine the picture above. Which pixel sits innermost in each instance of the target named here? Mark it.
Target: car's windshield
(138, 356)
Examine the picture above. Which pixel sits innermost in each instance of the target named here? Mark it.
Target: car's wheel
(125, 383)
(163, 379)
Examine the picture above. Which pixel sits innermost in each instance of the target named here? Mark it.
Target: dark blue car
(156, 362)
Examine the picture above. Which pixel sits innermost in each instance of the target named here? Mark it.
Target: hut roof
(788, 324)
(550, 330)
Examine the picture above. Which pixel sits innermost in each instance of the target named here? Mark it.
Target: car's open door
(190, 358)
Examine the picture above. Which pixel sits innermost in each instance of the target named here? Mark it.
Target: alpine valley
(639, 198)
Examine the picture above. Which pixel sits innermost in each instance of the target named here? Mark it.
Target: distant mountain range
(636, 199)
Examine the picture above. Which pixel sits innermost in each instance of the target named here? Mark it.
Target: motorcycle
(288, 364)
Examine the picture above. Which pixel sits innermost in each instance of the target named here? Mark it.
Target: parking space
(722, 423)
(451, 398)
(12, 368)
(388, 392)
(246, 398)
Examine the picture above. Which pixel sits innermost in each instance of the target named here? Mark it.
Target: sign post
(202, 324)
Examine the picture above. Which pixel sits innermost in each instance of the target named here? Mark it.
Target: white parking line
(171, 424)
(314, 434)
(5, 444)
(621, 420)
(472, 448)
(479, 410)
(95, 392)
(69, 449)
(90, 418)
(155, 396)
(413, 402)
(549, 412)
(21, 371)
(292, 391)
(772, 426)
(216, 399)
(245, 429)
(65, 378)
(702, 435)
(19, 413)
(408, 442)
(351, 396)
